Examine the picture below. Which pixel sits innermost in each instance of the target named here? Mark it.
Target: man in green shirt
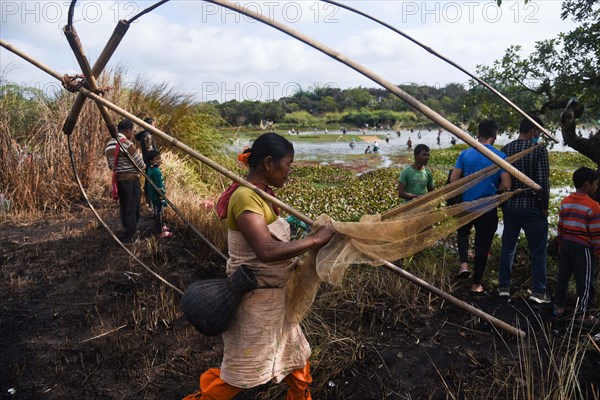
(415, 180)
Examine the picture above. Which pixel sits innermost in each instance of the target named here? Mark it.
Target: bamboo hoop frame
(455, 65)
(416, 104)
(175, 143)
(83, 62)
(107, 52)
(99, 65)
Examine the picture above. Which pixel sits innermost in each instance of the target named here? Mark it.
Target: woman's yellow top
(245, 199)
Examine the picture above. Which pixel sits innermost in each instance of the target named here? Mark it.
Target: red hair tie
(244, 158)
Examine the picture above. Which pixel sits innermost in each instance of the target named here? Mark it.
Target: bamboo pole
(417, 105)
(98, 67)
(455, 65)
(453, 300)
(174, 142)
(107, 52)
(82, 60)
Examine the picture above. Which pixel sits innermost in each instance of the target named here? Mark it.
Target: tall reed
(38, 178)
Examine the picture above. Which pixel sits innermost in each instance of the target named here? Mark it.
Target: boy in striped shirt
(579, 236)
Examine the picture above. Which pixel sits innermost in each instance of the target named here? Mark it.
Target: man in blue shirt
(469, 162)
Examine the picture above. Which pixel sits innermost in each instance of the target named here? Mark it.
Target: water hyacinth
(339, 193)
(346, 195)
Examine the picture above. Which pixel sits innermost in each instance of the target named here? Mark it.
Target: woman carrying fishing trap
(261, 344)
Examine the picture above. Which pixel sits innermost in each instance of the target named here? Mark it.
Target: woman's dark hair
(269, 144)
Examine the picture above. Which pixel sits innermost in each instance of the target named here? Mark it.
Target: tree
(356, 98)
(544, 82)
(326, 104)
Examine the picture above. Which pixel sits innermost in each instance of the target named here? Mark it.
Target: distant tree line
(354, 107)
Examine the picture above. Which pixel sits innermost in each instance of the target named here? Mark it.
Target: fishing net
(395, 234)
(301, 288)
(372, 240)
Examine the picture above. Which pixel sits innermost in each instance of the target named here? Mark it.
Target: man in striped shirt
(527, 211)
(128, 178)
(579, 236)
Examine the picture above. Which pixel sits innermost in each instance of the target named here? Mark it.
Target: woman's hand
(323, 235)
(255, 231)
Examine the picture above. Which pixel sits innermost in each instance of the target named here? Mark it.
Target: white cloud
(217, 54)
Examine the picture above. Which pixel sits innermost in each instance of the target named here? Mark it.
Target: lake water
(330, 152)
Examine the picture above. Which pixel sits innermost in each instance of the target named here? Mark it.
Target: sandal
(165, 234)
(464, 274)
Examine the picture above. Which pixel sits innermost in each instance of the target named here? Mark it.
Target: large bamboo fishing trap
(374, 240)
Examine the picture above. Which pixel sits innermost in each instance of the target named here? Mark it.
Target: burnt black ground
(64, 282)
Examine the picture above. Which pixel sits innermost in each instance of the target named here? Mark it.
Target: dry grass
(193, 197)
(345, 323)
(37, 176)
(546, 365)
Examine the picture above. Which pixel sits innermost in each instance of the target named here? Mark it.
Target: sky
(214, 54)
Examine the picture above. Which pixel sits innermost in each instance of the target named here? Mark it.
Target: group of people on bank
(261, 344)
(126, 162)
(578, 227)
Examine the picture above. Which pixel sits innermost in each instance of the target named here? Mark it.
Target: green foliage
(336, 192)
(518, 78)
(562, 166)
(301, 119)
(376, 118)
(559, 68)
(579, 71)
(323, 174)
(353, 107)
(569, 160)
(326, 104)
(21, 106)
(560, 177)
(356, 98)
(332, 118)
(446, 158)
(304, 120)
(251, 112)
